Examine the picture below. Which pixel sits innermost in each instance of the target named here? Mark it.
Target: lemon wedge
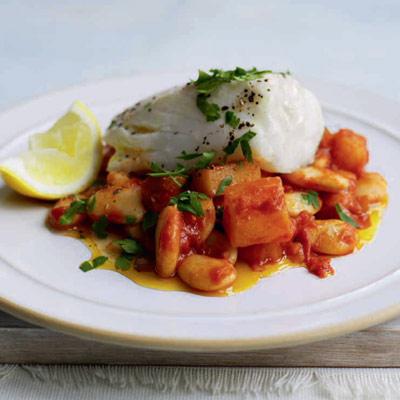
(62, 161)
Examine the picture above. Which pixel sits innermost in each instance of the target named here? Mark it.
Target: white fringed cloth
(175, 383)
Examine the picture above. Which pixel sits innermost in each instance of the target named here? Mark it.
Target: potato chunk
(208, 180)
(349, 151)
(255, 212)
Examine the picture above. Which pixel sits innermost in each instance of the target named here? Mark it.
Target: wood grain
(21, 342)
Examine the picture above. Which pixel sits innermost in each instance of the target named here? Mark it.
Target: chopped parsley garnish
(190, 201)
(344, 217)
(311, 198)
(188, 156)
(95, 263)
(76, 207)
(100, 227)
(130, 219)
(210, 110)
(223, 185)
(150, 219)
(205, 160)
(123, 262)
(206, 83)
(159, 172)
(91, 203)
(243, 141)
(130, 246)
(232, 119)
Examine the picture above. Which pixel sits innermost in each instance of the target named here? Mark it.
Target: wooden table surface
(21, 342)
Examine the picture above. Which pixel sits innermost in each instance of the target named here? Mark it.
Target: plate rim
(196, 345)
(216, 345)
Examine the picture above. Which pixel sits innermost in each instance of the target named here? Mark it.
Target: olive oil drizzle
(246, 277)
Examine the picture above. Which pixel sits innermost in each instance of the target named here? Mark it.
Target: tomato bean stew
(204, 226)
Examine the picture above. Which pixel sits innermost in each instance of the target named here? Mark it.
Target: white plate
(41, 282)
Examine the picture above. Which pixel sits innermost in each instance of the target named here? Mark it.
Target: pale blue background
(47, 45)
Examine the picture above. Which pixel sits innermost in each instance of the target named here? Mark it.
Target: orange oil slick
(246, 277)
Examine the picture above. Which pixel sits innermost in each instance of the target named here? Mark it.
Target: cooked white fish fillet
(286, 118)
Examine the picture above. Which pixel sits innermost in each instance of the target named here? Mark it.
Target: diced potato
(208, 180)
(206, 273)
(322, 179)
(217, 245)
(259, 255)
(296, 203)
(255, 212)
(333, 237)
(120, 204)
(371, 188)
(168, 240)
(349, 150)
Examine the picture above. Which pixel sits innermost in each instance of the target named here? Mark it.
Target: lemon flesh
(62, 161)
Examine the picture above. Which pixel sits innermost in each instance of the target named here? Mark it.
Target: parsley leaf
(96, 262)
(243, 141)
(232, 119)
(223, 185)
(76, 207)
(344, 217)
(210, 110)
(130, 246)
(188, 156)
(206, 158)
(311, 198)
(190, 201)
(123, 262)
(159, 172)
(149, 220)
(206, 83)
(100, 227)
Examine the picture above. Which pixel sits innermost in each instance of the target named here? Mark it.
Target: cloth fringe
(340, 383)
